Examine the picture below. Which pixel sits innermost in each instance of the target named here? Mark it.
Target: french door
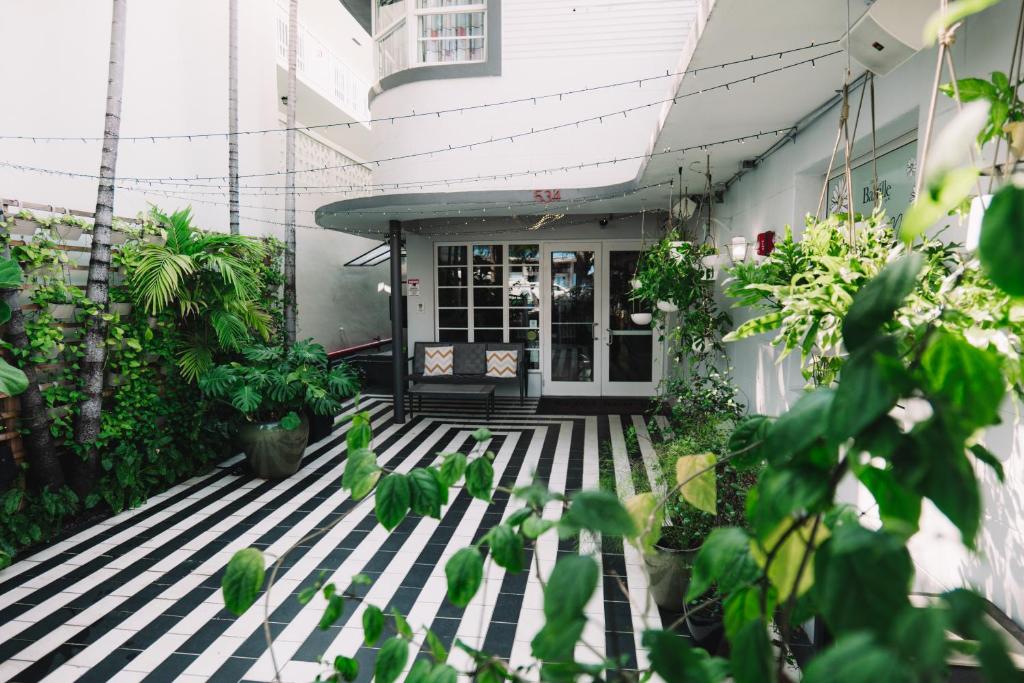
(592, 346)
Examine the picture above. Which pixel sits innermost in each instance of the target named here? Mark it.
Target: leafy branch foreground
(805, 555)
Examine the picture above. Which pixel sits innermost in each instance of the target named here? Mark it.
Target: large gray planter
(668, 573)
(273, 452)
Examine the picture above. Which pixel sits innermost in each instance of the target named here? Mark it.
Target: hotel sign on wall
(897, 172)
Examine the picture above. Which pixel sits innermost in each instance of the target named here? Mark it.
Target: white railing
(323, 70)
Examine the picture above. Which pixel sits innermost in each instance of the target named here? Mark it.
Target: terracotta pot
(668, 573)
(274, 452)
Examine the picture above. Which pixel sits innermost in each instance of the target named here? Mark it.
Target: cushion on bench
(437, 361)
(501, 363)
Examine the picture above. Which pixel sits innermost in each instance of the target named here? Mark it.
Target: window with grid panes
(524, 299)
(452, 293)
(488, 293)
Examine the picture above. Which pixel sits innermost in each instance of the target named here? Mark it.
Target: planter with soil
(274, 452)
(669, 568)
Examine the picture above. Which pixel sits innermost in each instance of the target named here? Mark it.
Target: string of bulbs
(414, 114)
(471, 145)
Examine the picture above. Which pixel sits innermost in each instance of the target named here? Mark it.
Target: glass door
(572, 349)
(632, 362)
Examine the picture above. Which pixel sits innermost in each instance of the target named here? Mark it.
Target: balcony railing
(323, 70)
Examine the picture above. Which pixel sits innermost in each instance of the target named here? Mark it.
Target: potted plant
(271, 391)
(689, 520)
(23, 223)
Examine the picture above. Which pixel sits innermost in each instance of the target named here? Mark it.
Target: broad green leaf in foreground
(700, 488)
(243, 580)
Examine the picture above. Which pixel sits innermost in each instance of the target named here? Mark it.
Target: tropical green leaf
(335, 606)
(570, 586)
(600, 512)
(724, 559)
(752, 656)
(373, 624)
(425, 493)
(788, 563)
(876, 302)
(346, 667)
(480, 478)
(246, 399)
(856, 658)
(748, 440)
(506, 547)
(453, 466)
(986, 456)
(12, 380)
(864, 392)
(673, 658)
(10, 273)
(361, 473)
(243, 580)
(968, 378)
(799, 427)
(1001, 245)
(464, 571)
(648, 518)
(695, 474)
(391, 660)
(392, 500)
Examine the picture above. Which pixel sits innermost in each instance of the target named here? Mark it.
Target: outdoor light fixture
(383, 288)
(738, 249)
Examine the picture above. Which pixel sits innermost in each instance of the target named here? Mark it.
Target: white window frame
(412, 28)
(470, 296)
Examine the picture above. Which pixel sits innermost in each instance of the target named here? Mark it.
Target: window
(490, 293)
(429, 32)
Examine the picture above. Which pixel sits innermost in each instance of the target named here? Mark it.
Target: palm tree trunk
(44, 468)
(87, 422)
(233, 115)
(289, 160)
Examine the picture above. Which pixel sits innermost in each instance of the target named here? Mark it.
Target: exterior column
(398, 360)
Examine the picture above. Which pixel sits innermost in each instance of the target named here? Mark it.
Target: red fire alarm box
(765, 242)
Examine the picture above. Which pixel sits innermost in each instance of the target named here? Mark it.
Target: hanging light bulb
(738, 249)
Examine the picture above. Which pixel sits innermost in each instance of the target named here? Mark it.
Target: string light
(511, 138)
(414, 114)
(507, 176)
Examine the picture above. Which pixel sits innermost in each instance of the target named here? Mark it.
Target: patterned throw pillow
(502, 363)
(437, 361)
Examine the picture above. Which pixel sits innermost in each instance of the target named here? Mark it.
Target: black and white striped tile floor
(137, 596)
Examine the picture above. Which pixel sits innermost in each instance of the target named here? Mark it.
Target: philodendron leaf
(648, 517)
(361, 473)
(391, 501)
(789, 557)
(600, 512)
(391, 660)
(373, 624)
(572, 582)
(699, 485)
(968, 378)
(875, 304)
(480, 478)
(724, 559)
(506, 547)
(1001, 245)
(12, 380)
(464, 571)
(10, 274)
(290, 421)
(243, 580)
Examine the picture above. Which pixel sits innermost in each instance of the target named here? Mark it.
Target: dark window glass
(451, 256)
(487, 296)
(453, 335)
(453, 317)
(449, 277)
(488, 335)
(528, 337)
(487, 317)
(453, 298)
(523, 317)
(630, 358)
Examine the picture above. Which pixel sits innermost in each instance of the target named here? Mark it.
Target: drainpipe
(397, 339)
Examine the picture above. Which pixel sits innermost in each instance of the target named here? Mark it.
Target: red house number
(545, 196)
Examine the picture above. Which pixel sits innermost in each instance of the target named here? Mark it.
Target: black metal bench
(469, 365)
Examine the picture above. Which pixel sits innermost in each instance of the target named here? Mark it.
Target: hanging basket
(23, 226)
(640, 318)
(68, 233)
(667, 307)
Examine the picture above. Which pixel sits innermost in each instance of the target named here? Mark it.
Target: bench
(469, 367)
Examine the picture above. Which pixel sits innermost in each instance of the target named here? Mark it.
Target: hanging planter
(667, 307)
(62, 311)
(641, 318)
(68, 233)
(677, 249)
(635, 283)
(23, 226)
(117, 237)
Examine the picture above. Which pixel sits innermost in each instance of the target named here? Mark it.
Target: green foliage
(12, 380)
(1002, 240)
(392, 500)
(211, 280)
(272, 382)
(243, 580)
(391, 659)
(465, 571)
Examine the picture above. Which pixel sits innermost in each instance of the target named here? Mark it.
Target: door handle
(597, 335)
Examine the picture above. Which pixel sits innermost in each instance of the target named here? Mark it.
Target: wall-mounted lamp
(383, 288)
(738, 249)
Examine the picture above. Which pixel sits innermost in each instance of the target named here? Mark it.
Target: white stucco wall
(780, 192)
(54, 70)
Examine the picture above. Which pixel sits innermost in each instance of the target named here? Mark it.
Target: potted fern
(272, 391)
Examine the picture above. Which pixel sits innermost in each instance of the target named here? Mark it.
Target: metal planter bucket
(273, 452)
(668, 573)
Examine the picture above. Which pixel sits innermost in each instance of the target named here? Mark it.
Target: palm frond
(262, 354)
(230, 329)
(194, 360)
(158, 276)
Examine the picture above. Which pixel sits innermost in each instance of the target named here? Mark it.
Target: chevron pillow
(437, 361)
(502, 363)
